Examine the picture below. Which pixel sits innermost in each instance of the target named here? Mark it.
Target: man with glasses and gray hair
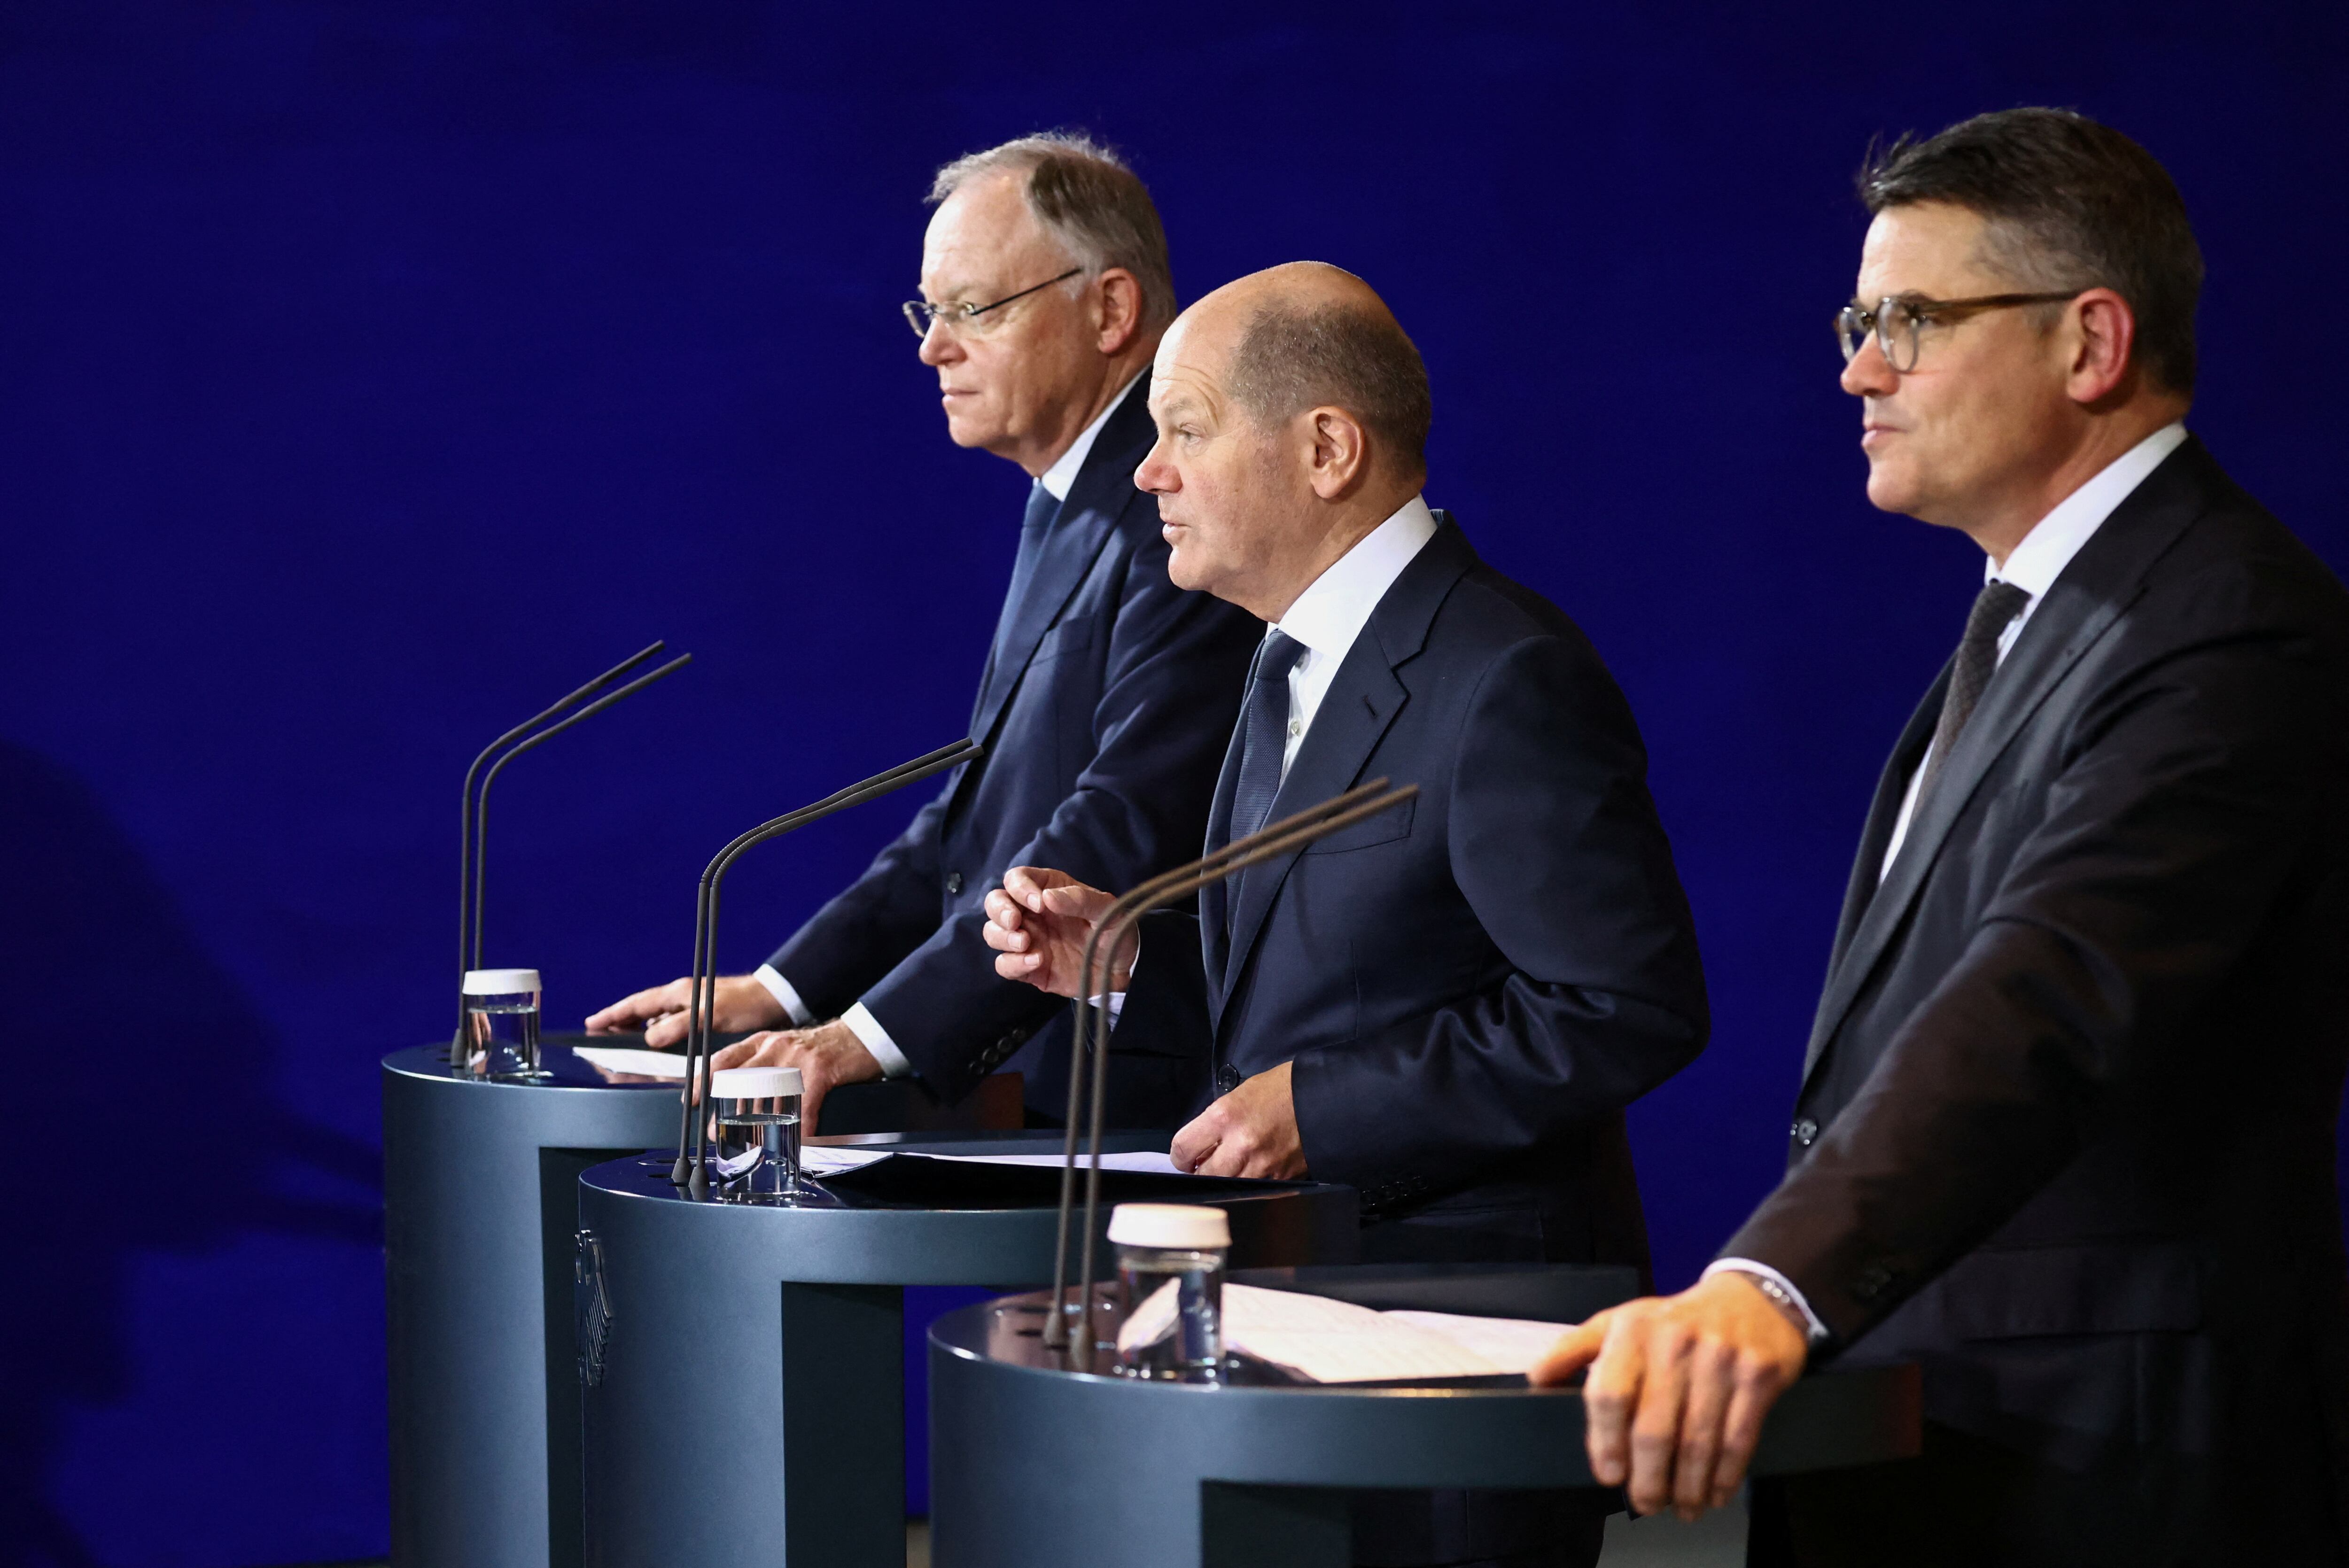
(1108, 694)
(2064, 1134)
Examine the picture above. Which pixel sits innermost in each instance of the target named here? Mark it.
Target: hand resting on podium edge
(1037, 923)
(827, 1055)
(740, 1002)
(1677, 1389)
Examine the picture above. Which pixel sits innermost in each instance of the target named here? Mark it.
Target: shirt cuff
(783, 991)
(867, 1029)
(1113, 1004)
(1817, 1330)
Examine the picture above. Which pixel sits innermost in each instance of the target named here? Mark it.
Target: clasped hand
(1039, 922)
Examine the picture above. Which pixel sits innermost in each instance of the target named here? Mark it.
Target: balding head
(1293, 415)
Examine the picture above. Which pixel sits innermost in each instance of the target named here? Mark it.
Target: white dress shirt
(1060, 479)
(1335, 607)
(2034, 565)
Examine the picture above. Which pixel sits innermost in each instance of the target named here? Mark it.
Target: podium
(480, 1184)
(743, 1365)
(1036, 1467)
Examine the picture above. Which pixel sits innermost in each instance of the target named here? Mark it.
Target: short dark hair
(2070, 204)
(1088, 199)
(1293, 357)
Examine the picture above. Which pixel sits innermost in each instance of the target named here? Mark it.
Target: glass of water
(1170, 1270)
(757, 1111)
(502, 1025)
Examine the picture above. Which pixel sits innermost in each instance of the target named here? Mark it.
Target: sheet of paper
(822, 1161)
(1510, 1343)
(1155, 1164)
(633, 1059)
(1330, 1341)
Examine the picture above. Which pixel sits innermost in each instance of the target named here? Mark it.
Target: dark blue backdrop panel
(371, 372)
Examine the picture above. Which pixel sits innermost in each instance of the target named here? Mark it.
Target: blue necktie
(1264, 737)
(1043, 506)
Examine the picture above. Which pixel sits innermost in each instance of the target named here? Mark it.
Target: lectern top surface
(564, 1068)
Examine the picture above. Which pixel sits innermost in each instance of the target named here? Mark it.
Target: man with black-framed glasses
(1108, 695)
(2064, 1135)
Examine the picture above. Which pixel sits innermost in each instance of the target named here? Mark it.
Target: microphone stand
(473, 808)
(690, 1170)
(1091, 1029)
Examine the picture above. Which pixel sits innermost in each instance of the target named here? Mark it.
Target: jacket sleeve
(2193, 795)
(860, 933)
(1176, 665)
(1555, 843)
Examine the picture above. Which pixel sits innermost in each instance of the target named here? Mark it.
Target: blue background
(371, 372)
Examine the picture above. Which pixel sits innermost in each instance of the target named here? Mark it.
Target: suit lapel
(2102, 581)
(1073, 540)
(1360, 704)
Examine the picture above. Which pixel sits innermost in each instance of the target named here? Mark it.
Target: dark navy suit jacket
(1472, 986)
(2065, 1130)
(1104, 712)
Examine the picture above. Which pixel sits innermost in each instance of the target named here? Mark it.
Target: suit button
(1226, 1080)
(953, 883)
(1871, 1281)
(1806, 1132)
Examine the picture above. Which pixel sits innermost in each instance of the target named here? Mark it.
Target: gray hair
(1292, 357)
(1086, 198)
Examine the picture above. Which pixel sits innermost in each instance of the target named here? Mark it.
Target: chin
(1891, 490)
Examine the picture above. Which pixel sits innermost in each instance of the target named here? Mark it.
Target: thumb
(1577, 1348)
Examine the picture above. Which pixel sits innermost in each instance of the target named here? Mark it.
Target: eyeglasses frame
(1919, 305)
(921, 315)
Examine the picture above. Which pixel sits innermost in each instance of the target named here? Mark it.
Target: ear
(1117, 310)
(2102, 337)
(1339, 450)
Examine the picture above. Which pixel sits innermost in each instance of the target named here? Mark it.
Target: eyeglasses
(1899, 321)
(921, 315)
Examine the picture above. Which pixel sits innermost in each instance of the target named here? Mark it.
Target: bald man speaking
(1446, 1006)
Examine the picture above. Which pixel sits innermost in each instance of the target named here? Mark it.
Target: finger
(1016, 965)
(1576, 1348)
(1656, 1426)
(1000, 910)
(1073, 899)
(1022, 885)
(669, 1030)
(1608, 1395)
(629, 1008)
(1192, 1144)
(736, 1055)
(1755, 1388)
(1712, 1369)
(1000, 937)
(812, 1092)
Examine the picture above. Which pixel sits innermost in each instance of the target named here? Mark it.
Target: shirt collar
(1061, 477)
(2035, 564)
(1332, 610)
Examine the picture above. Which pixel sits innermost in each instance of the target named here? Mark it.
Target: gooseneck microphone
(691, 1170)
(1092, 1032)
(473, 808)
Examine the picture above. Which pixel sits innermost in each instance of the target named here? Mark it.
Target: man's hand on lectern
(1251, 1132)
(1678, 1388)
(1037, 923)
(827, 1055)
(740, 1003)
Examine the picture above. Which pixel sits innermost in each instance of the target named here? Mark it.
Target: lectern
(744, 1363)
(480, 1192)
(1034, 1466)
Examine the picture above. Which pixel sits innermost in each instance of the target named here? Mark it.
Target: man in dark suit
(1449, 1006)
(1107, 694)
(2065, 1129)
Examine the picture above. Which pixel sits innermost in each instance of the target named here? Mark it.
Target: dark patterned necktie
(1977, 661)
(1263, 738)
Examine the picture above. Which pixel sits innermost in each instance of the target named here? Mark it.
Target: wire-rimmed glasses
(921, 315)
(1898, 320)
